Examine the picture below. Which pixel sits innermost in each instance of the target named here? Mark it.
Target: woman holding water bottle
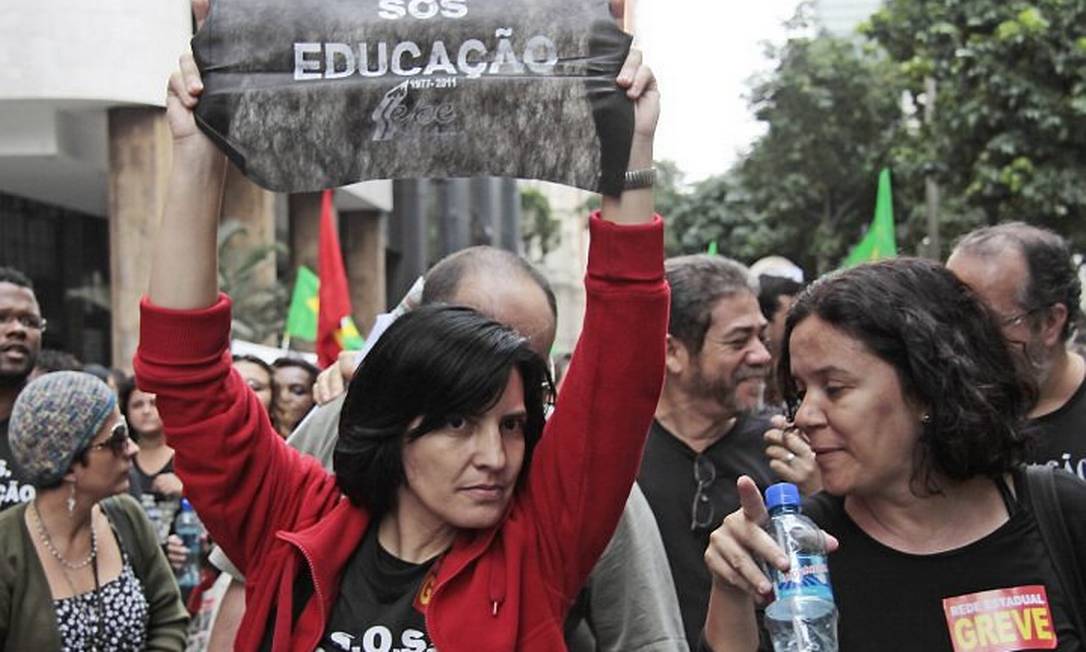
(903, 385)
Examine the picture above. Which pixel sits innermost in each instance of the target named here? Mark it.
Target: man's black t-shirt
(982, 595)
(379, 604)
(1059, 438)
(13, 490)
(667, 480)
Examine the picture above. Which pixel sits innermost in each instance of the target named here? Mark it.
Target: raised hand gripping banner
(311, 94)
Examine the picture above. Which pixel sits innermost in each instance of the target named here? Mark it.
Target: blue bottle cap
(186, 506)
(782, 493)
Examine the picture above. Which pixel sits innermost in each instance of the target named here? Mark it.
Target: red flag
(335, 301)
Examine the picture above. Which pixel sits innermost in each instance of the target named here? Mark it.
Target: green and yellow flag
(880, 241)
(304, 304)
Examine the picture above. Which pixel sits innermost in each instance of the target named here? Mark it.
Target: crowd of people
(445, 492)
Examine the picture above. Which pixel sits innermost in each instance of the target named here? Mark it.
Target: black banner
(311, 94)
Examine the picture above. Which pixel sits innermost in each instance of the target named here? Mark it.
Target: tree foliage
(1008, 140)
(259, 307)
(539, 230)
(806, 189)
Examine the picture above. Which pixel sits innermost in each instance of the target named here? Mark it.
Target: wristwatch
(636, 179)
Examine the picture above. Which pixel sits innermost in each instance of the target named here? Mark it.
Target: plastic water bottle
(189, 528)
(154, 514)
(803, 617)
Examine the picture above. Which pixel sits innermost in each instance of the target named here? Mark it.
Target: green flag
(302, 316)
(880, 241)
(712, 249)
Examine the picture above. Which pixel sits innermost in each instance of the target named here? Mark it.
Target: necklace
(91, 560)
(47, 541)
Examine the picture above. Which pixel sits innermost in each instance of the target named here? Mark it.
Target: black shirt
(380, 603)
(667, 479)
(1059, 438)
(889, 600)
(13, 490)
(148, 479)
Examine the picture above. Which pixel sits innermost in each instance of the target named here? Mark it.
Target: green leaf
(1032, 20)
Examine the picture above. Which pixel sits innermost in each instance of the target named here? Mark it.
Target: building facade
(84, 159)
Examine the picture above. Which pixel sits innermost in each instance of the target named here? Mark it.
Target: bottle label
(808, 577)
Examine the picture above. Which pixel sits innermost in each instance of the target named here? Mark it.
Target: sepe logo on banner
(393, 114)
(1002, 620)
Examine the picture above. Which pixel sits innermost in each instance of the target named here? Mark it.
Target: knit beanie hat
(55, 417)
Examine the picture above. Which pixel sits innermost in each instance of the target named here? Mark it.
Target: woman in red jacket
(446, 540)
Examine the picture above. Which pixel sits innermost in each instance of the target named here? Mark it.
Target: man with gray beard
(1027, 277)
(704, 437)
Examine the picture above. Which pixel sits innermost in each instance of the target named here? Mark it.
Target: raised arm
(184, 275)
(637, 206)
(244, 482)
(588, 457)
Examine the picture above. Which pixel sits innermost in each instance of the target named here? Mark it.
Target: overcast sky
(704, 52)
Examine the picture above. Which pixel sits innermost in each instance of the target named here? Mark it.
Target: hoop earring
(71, 500)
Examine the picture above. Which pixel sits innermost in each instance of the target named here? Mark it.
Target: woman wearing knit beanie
(81, 568)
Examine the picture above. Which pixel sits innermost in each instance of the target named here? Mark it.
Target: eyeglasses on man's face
(117, 441)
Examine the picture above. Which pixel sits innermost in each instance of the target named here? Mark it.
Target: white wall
(63, 64)
(114, 51)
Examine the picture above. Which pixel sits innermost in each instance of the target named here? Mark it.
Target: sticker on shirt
(1002, 620)
(379, 638)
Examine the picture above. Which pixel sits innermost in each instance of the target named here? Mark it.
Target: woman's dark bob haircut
(124, 395)
(434, 363)
(949, 354)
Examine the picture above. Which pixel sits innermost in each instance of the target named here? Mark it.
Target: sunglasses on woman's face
(118, 439)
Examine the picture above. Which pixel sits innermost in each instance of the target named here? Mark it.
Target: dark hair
(258, 361)
(104, 374)
(50, 360)
(949, 354)
(435, 362)
(98, 371)
(771, 289)
(1053, 275)
(15, 277)
(697, 283)
(443, 279)
(288, 361)
(124, 394)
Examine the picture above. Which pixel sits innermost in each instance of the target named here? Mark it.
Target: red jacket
(278, 515)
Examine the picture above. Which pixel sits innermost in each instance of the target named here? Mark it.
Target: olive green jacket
(27, 617)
